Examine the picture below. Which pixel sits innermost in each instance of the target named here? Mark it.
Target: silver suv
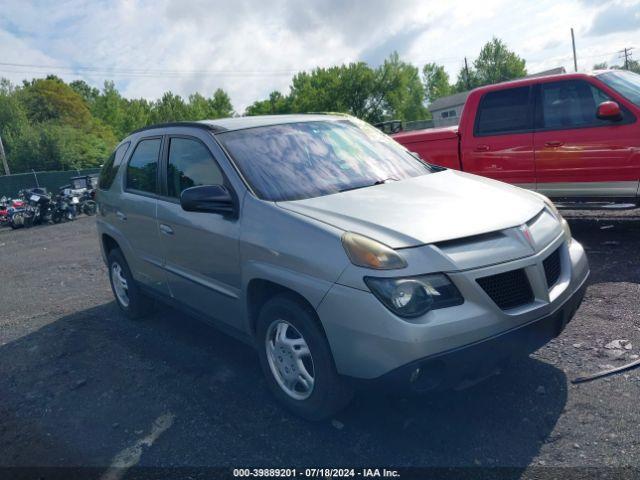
(337, 253)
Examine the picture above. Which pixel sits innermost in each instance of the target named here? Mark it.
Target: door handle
(554, 143)
(166, 229)
(121, 215)
(482, 148)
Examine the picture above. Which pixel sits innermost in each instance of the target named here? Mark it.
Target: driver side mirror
(609, 111)
(208, 198)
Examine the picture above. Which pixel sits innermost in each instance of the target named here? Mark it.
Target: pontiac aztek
(341, 256)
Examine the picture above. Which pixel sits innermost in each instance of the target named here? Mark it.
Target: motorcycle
(83, 189)
(8, 208)
(63, 209)
(87, 204)
(36, 209)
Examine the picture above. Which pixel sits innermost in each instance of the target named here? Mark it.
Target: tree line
(48, 124)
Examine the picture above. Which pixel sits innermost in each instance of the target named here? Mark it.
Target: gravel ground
(82, 386)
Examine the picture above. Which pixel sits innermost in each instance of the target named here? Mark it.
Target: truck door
(499, 143)
(577, 154)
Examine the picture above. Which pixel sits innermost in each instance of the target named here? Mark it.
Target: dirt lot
(80, 385)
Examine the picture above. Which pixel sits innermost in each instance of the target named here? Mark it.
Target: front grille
(508, 289)
(552, 268)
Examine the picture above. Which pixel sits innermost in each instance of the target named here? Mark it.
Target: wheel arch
(260, 290)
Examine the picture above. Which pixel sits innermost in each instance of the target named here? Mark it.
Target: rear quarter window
(110, 167)
(504, 111)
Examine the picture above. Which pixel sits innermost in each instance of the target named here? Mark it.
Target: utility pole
(3, 157)
(573, 44)
(466, 73)
(626, 53)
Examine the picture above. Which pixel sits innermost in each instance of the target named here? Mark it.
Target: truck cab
(572, 137)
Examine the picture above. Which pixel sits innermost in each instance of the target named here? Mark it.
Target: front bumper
(369, 342)
(480, 360)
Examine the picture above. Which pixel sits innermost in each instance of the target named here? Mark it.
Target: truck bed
(434, 145)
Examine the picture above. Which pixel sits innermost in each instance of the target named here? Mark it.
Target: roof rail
(203, 125)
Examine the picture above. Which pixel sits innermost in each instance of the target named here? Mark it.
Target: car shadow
(87, 386)
(611, 243)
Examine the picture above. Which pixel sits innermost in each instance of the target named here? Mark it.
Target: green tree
(496, 63)
(51, 99)
(275, 104)
(109, 108)
(170, 108)
(137, 115)
(401, 89)
(88, 93)
(436, 82)
(220, 104)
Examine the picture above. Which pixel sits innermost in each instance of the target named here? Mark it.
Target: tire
(89, 208)
(329, 393)
(135, 304)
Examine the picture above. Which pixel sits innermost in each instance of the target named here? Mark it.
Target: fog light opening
(415, 375)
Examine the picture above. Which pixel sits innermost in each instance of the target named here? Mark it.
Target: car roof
(240, 123)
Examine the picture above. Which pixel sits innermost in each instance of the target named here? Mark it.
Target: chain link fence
(10, 185)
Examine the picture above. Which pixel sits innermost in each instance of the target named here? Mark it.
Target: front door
(578, 154)
(201, 250)
(501, 146)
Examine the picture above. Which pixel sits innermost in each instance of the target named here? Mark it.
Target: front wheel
(297, 361)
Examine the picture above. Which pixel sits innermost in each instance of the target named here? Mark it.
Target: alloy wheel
(120, 285)
(290, 359)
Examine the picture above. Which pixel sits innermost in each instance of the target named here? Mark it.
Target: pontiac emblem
(526, 233)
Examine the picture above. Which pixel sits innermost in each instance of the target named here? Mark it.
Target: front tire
(130, 299)
(297, 361)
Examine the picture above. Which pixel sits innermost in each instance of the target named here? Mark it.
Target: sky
(252, 47)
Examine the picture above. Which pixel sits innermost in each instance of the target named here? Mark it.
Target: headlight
(414, 296)
(554, 211)
(366, 252)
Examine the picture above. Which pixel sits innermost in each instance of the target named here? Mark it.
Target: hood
(431, 208)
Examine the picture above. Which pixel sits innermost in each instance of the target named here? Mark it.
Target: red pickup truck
(572, 137)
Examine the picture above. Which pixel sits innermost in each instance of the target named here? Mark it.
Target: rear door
(578, 154)
(201, 250)
(501, 143)
(135, 213)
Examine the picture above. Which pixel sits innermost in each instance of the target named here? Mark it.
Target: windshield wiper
(377, 182)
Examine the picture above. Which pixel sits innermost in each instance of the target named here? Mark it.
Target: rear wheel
(89, 207)
(297, 361)
(131, 300)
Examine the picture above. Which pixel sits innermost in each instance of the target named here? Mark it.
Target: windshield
(625, 83)
(310, 159)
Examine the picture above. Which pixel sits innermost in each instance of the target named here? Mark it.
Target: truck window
(504, 111)
(570, 104)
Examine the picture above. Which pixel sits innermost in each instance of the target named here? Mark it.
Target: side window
(143, 166)
(190, 164)
(504, 111)
(110, 167)
(570, 104)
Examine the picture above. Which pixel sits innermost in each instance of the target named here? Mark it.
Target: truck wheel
(297, 361)
(129, 297)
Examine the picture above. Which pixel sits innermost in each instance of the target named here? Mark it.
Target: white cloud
(256, 45)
